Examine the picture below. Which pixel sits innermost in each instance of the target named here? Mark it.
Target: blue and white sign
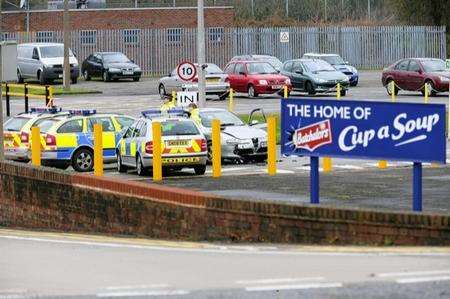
(366, 130)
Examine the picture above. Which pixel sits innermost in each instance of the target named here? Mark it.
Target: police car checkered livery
(183, 145)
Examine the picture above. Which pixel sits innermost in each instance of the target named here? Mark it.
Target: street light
(2, 149)
(201, 54)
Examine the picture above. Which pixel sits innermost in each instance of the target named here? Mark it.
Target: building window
(88, 37)
(131, 36)
(215, 34)
(44, 37)
(174, 35)
(8, 36)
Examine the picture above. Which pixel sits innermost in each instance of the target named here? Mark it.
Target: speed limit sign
(186, 71)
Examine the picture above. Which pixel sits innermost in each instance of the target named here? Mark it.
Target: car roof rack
(158, 113)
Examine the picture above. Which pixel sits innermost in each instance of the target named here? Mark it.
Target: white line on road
(143, 293)
(423, 279)
(294, 287)
(279, 280)
(416, 273)
(12, 296)
(151, 286)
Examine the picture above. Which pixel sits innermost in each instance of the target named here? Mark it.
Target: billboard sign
(363, 130)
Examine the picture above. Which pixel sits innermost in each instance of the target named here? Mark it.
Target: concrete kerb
(224, 219)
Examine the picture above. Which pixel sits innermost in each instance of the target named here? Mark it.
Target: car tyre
(200, 169)
(162, 91)
(209, 151)
(106, 76)
(136, 79)
(41, 78)
(86, 75)
(74, 80)
(224, 96)
(343, 92)
(432, 92)
(83, 160)
(19, 77)
(310, 88)
(120, 167)
(252, 92)
(388, 88)
(140, 169)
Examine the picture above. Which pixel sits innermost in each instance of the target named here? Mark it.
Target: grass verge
(58, 90)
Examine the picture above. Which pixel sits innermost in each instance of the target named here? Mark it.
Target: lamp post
(201, 53)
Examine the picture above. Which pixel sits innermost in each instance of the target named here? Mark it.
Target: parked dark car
(338, 63)
(110, 66)
(275, 62)
(413, 73)
(314, 76)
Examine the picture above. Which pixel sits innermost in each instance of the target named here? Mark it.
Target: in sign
(184, 98)
(186, 71)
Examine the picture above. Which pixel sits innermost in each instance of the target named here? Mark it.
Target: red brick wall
(118, 19)
(56, 200)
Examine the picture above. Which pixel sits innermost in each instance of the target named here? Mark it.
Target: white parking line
(143, 293)
(279, 280)
(423, 279)
(294, 287)
(416, 273)
(151, 286)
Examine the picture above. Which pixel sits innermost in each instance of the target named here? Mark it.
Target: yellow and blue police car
(183, 144)
(16, 131)
(70, 142)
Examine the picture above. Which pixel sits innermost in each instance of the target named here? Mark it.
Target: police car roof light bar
(156, 112)
(51, 110)
(83, 112)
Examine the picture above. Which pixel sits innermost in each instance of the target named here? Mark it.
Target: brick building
(118, 18)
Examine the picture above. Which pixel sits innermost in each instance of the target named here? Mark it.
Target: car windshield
(115, 58)
(261, 68)
(53, 51)
(333, 60)
(275, 62)
(213, 69)
(226, 118)
(178, 128)
(435, 65)
(15, 124)
(46, 123)
(317, 66)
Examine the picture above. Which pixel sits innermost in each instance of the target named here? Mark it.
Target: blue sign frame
(364, 130)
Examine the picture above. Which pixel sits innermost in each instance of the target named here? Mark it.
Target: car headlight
(444, 79)
(263, 82)
(287, 82)
(320, 80)
(346, 80)
(75, 64)
(353, 69)
(114, 70)
(137, 69)
(48, 65)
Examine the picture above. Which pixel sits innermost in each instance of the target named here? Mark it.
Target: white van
(44, 62)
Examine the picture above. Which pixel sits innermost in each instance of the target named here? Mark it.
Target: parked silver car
(216, 83)
(240, 141)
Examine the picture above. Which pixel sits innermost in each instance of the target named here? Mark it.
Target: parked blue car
(339, 64)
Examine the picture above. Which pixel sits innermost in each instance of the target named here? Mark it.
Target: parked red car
(256, 77)
(413, 73)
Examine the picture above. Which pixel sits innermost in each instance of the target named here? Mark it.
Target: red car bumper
(269, 89)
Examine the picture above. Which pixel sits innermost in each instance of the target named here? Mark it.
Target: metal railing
(158, 51)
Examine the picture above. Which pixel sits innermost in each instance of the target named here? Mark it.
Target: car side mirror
(346, 62)
(132, 60)
(169, 75)
(420, 71)
(242, 73)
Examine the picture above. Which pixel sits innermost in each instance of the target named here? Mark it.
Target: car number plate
(212, 80)
(128, 72)
(177, 143)
(277, 86)
(60, 76)
(180, 160)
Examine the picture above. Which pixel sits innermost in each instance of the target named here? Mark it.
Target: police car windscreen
(226, 118)
(178, 128)
(15, 124)
(45, 124)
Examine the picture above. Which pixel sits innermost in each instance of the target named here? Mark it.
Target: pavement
(54, 265)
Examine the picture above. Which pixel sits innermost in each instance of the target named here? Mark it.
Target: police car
(16, 131)
(183, 145)
(70, 141)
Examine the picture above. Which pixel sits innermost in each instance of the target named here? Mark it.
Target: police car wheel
(140, 167)
(83, 160)
(209, 155)
(120, 166)
(162, 91)
(200, 169)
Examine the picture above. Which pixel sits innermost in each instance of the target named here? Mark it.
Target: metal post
(216, 149)
(253, 8)
(417, 187)
(271, 146)
(28, 20)
(25, 91)
(98, 150)
(314, 180)
(157, 152)
(368, 9)
(8, 103)
(66, 29)
(47, 95)
(2, 149)
(35, 146)
(287, 8)
(201, 53)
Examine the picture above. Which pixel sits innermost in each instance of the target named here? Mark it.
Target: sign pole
(417, 187)
(314, 179)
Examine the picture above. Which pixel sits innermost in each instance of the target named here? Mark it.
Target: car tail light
(195, 80)
(149, 147)
(50, 140)
(24, 137)
(203, 146)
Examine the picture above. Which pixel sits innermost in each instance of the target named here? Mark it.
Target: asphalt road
(48, 265)
(132, 97)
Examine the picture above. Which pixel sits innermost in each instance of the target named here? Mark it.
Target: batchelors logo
(313, 136)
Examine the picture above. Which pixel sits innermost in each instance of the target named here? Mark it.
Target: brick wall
(55, 200)
(99, 19)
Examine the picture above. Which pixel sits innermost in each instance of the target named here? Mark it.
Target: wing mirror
(242, 73)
